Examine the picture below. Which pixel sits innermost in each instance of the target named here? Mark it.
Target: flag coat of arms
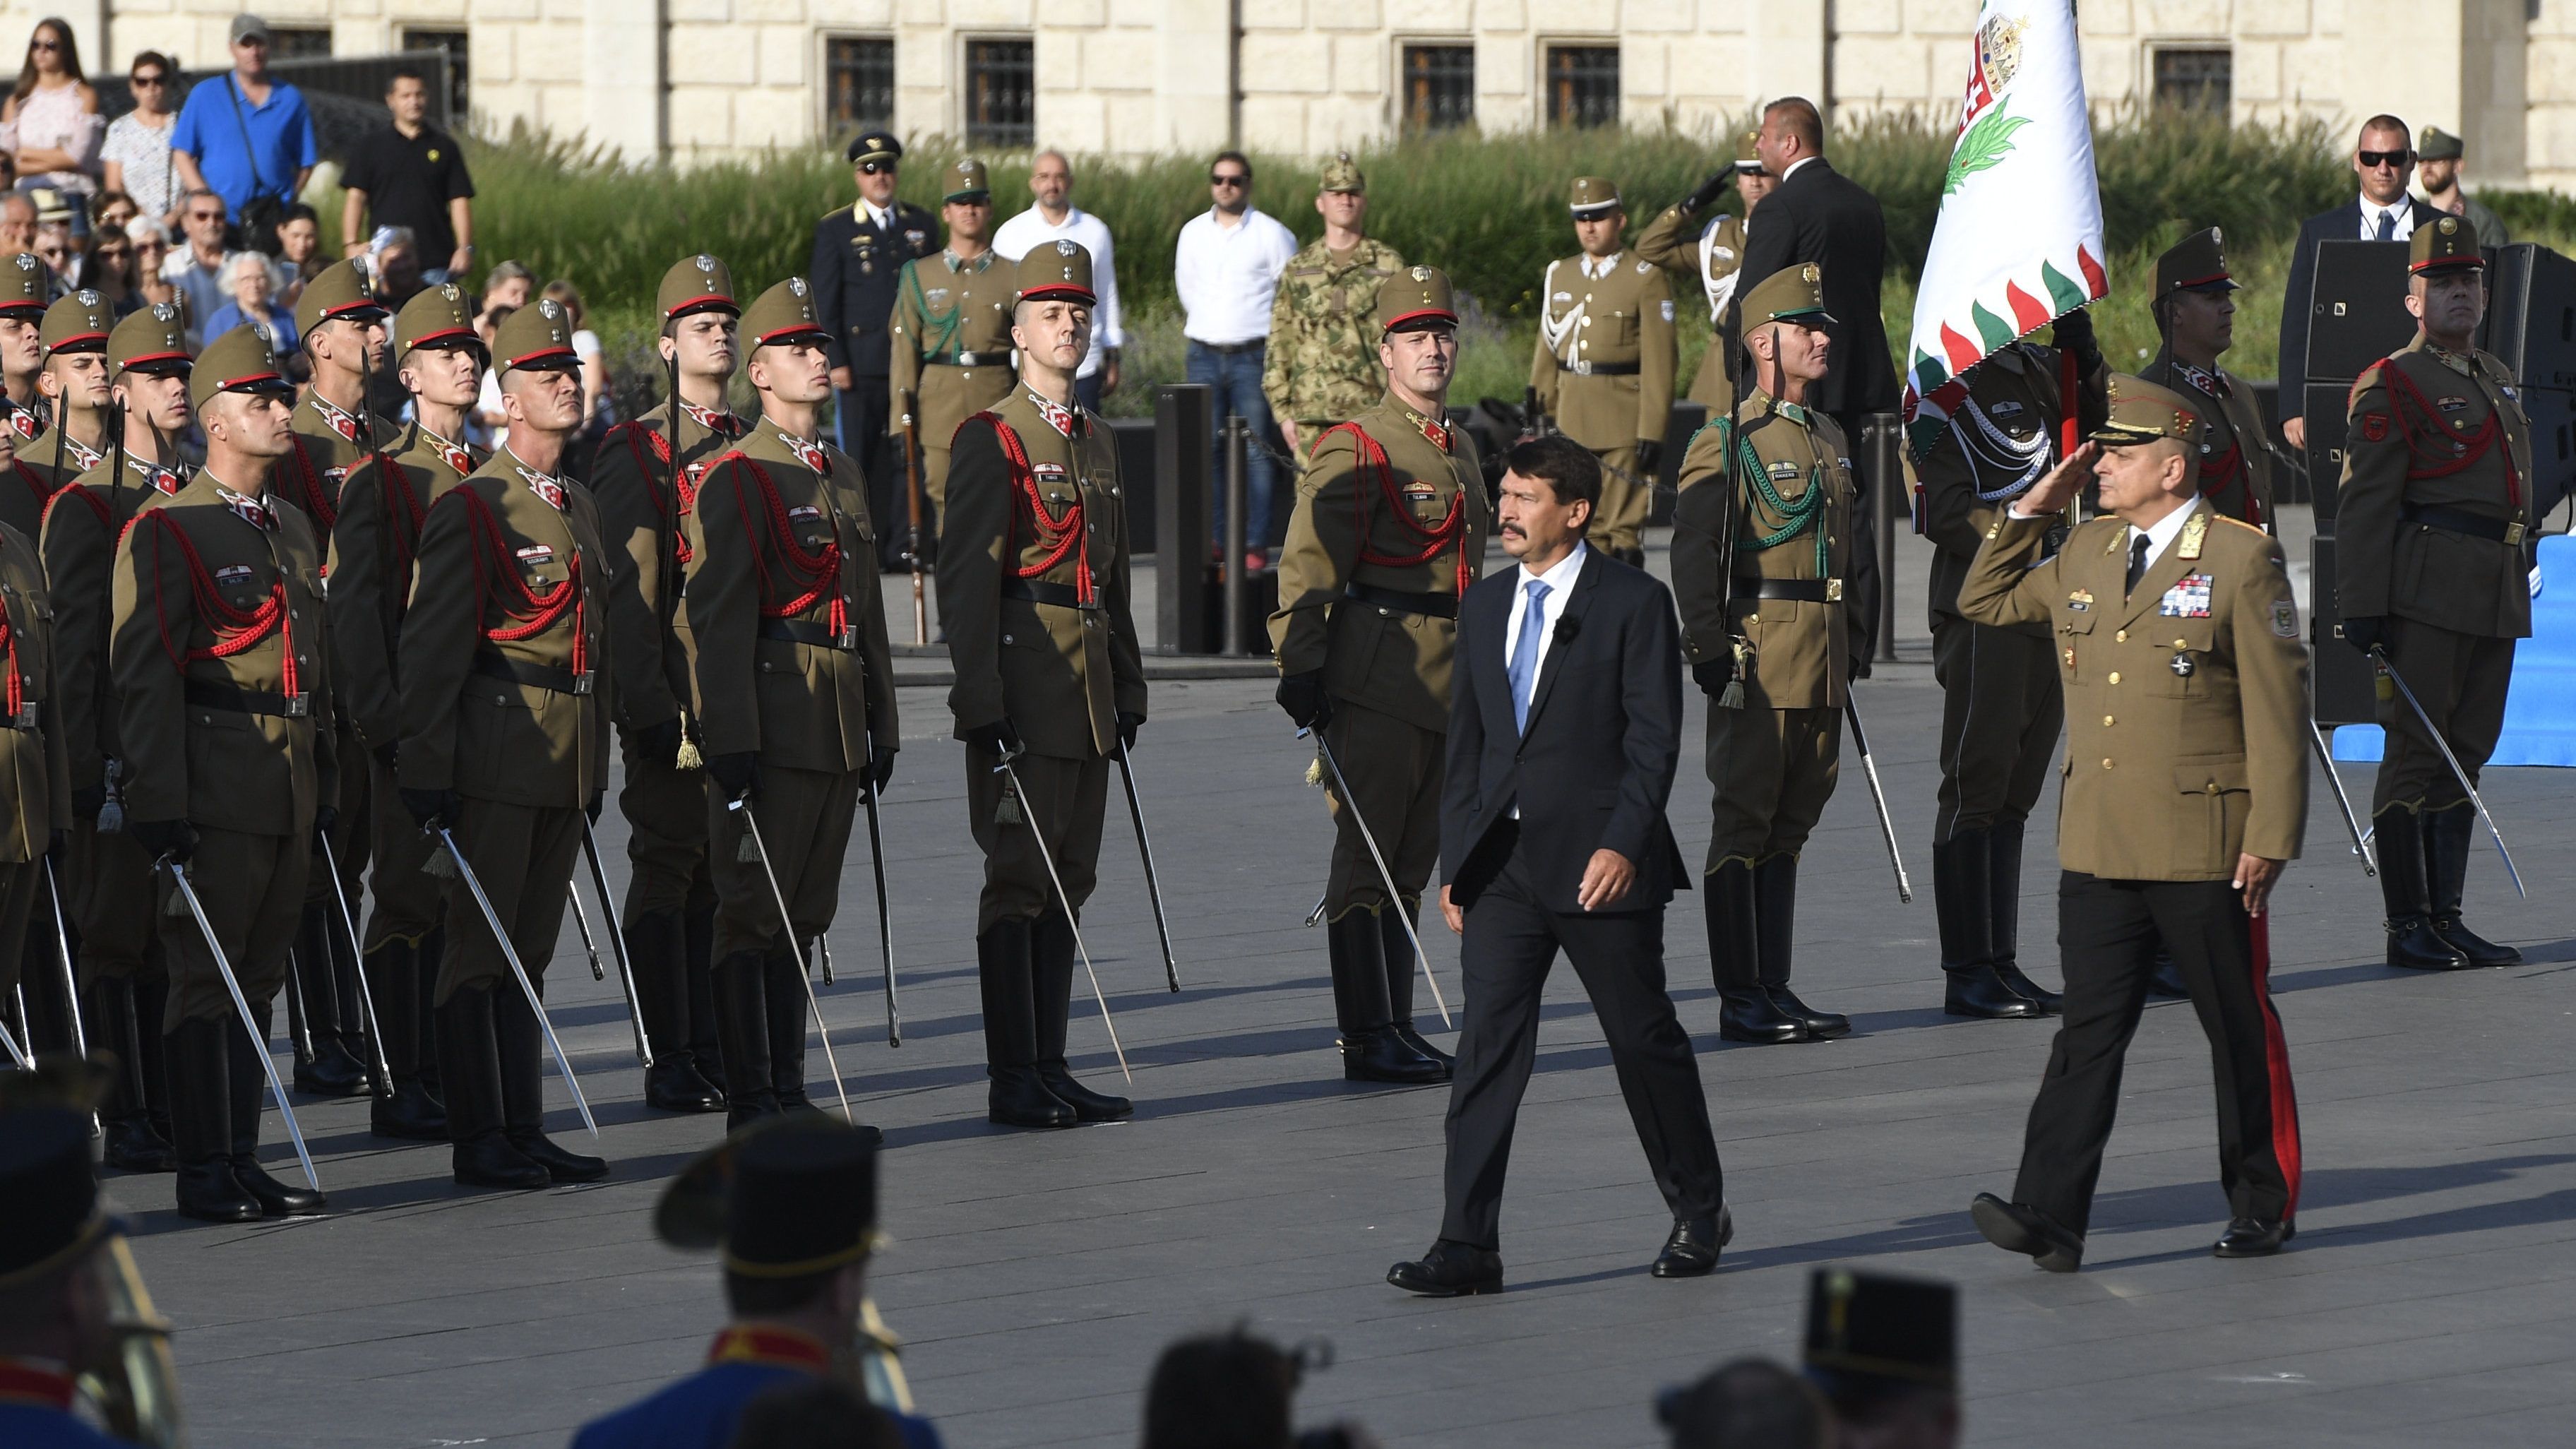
(2018, 243)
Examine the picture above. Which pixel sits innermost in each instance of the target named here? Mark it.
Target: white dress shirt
(2159, 536)
(1030, 230)
(881, 216)
(1794, 165)
(2403, 209)
(1227, 275)
(1560, 582)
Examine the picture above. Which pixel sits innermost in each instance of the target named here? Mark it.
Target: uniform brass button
(1753, 618)
(2120, 638)
(2107, 721)
(2114, 678)
(1006, 638)
(2213, 787)
(2179, 644)
(2106, 764)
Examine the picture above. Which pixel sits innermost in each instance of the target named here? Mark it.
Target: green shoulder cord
(947, 322)
(1800, 516)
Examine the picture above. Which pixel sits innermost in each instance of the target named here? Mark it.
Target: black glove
(88, 800)
(736, 774)
(384, 754)
(598, 800)
(659, 742)
(1303, 697)
(1128, 723)
(324, 818)
(432, 808)
(173, 838)
(2074, 333)
(2365, 632)
(884, 771)
(1713, 675)
(999, 737)
(1708, 190)
(1650, 451)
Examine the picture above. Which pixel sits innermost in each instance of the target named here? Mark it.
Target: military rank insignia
(2080, 600)
(2187, 599)
(2374, 427)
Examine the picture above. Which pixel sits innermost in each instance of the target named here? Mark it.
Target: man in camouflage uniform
(2432, 550)
(1605, 359)
(1319, 368)
(1388, 533)
(1773, 598)
(951, 333)
(1033, 584)
(2196, 317)
(1710, 251)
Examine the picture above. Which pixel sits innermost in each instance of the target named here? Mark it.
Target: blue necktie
(1524, 668)
(2387, 226)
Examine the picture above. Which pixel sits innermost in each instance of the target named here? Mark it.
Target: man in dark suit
(858, 260)
(2383, 159)
(1553, 837)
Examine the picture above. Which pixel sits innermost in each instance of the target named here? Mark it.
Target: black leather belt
(969, 359)
(802, 631)
(1438, 606)
(30, 715)
(206, 694)
(1231, 347)
(1587, 368)
(2453, 520)
(537, 676)
(1812, 591)
(1036, 591)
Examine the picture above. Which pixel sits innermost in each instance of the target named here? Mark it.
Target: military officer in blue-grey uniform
(859, 252)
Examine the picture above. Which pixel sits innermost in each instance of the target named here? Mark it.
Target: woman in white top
(51, 122)
(137, 152)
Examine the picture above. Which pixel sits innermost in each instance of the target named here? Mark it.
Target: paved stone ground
(2426, 1300)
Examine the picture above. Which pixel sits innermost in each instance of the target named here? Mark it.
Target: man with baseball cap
(1605, 358)
(951, 333)
(859, 255)
(1388, 533)
(1710, 251)
(2438, 164)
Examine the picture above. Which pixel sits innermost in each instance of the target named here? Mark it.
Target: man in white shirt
(1056, 218)
(198, 268)
(1226, 269)
(2382, 159)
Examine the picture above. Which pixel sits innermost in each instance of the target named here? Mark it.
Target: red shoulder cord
(535, 611)
(35, 483)
(314, 503)
(400, 502)
(235, 630)
(1057, 535)
(17, 690)
(1450, 530)
(97, 505)
(639, 439)
(2403, 393)
(816, 573)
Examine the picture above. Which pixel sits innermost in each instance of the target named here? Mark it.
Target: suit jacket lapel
(2162, 574)
(1567, 624)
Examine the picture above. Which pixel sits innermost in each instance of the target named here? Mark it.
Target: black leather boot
(1963, 897)
(129, 1143)
(425, 963)
(405, 1109)
(1402, 970)
(333, 1070)
(246, 1086)
(657, 951)
(519, 1042)
(706, 1044)
(2449, 835)
(783, 993)
(1372, 1051)
(470, 1061)
(1775, 920)
(201, 1123)
(1745, 1011)
(1006, 971)
(2003, 920)
(2413, 944)
(1051, 950)
(742, 1028)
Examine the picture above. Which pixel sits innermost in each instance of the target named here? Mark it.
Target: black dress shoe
(332, 1072)
(1450, 1270)
(1978, 991)
(492, 1162)
(1018, 1099)
(1820, 1025)
(561, 1164)
(208, 1193)
(2028, 1231)
(2028, 990)
(677, 1087)
(408, 1111)
(1414, 1039)
(1692, 1248)
(1087, 1105)
(275, 1199)
(2472, 947)
(1750, 1016)
(2253, 1238)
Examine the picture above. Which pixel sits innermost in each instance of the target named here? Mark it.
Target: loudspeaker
(2552, 465)
(2531, 314)
(2327, 410)
(2341, 690)
(2358, 311)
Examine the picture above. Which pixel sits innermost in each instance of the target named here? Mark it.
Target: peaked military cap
(26, 285)
(802, 1200)
(1343, 174)
(442, 313)
(242, 360)
(696, 284)
(538, 335)
(1593, 196)
(49, 1209)
(151, 340)
(1415, 297)
(964, 181)
(342, 289)
(2440, 246)
(1058, 271)
(875, 146)
(2194, 264)
(784, 313)
(2439, 145)
(77, 323)
(1793, 293)
(1746, 158)
(2142, 412)
(1881, 1327)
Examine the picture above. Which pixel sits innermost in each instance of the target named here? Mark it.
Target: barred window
(858, 72)
(298, 42)
(1583, 85)
(2195, 80)
(1001, 94)
(1439, 87)
(453, 43)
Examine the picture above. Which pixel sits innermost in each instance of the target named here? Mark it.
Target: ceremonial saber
(2351, 822)
(250, 1023)
(1878, 796)
(16, 1054)
(616, 942)
(787, 929)
(2389, 671)
(510, 953)
(885, 914)
(1145, 846)
(1047, 858)
(71, 979)
(358, 953)
(1394, 897)
(581, 920)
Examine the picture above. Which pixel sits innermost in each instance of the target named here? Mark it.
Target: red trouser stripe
(2276, 1065)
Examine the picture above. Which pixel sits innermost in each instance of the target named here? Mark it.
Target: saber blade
(617, 943)
(2351, 822)
(1153, 885)
(358, 953)
(1878, 797)
(885, 914)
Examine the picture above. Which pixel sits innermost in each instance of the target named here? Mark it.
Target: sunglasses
(43, 45)
(876, 168)
(155, 79)
(2374, 159)
(1219, 178)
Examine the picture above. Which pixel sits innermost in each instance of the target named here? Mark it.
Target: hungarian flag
(2019, 240)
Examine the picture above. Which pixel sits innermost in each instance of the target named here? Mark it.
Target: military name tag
(1052, 474)
(1784, 470)
(2005, 409)
(2452, 404)
(1422, 490)
(231, 574)
(333, 476)
(803, 512)
(2187, 599)
(537, 554)
(2080, 600)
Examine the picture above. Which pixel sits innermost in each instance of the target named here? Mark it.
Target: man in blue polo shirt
(246, 138)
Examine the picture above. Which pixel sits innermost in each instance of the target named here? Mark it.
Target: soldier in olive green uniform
(1321, 366)
(109, 878)
(1033, 586)
(224, 716)
(1710, 251)
(35, 787)
(1605, 360)
(1774, 607)
(2001, 707)
(74, 387)
(26, 286)
(795, 691)
(1388, 533)
(2185, 792)
(646, 497)
(382, 503)
(505, 739)
(951, 332)
(2197, 319)
(2432, 548)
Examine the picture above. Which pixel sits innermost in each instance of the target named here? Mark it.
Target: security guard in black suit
(859, 254)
